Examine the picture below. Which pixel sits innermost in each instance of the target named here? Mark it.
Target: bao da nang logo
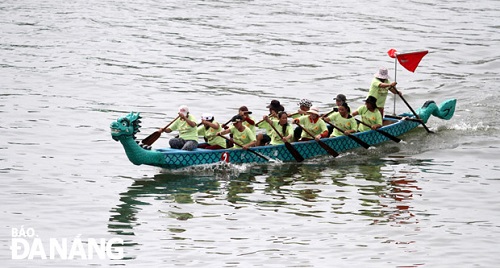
(26, 244)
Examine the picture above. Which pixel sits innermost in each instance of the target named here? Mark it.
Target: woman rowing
(313, 125)
(240, 134)
(186, 125)
(380, 86)
(304, 106)
(369, 114)
(343, 120)
(281, 125)
(274, 108)
(208, 130)
(248, 120)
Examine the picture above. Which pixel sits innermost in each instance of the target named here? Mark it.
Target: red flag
(411, 60)
(392, 53)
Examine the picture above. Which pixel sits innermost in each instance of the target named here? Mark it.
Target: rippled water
(69, 68)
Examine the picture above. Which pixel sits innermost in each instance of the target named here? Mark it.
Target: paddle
(252, 151)
(394, 138)
(411, 109)
(356, 139)
(257, 124)
(149, 140)
(290, 147)
(224, 126)
(403, 118)
(327, 114)
(322, 144)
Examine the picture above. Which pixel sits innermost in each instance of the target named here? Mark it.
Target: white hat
(207, 116)
(382, 73)
(184, 110)
(314, 110)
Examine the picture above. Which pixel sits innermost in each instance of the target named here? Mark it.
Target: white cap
(314, 110)
(184, 110)
(207, 116)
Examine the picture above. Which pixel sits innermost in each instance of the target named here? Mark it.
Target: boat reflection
(378, 193)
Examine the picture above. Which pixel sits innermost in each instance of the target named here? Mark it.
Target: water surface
(70, 68)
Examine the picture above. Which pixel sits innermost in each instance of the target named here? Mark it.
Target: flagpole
(395, 72)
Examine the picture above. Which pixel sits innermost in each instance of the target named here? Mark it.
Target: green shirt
(244, 137)
(275, 138)
(264, 125)
(315, 128)
(211, 135)
(371, 118)
(248, 125)
(186, 131)
(378, 92)
(342, 123)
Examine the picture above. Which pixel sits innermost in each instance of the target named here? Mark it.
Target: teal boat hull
(125, 128)
(175, 158)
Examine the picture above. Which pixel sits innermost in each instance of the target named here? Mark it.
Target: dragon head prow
(126, 126)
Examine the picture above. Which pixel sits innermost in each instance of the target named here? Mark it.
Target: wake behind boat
(125, 128)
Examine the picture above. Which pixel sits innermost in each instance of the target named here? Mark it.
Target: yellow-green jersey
(342, 123)
(248, 125)
(186, 131)
(379, 92)
(315, 128)
(275, 138)
(211, 135)
(371, 118)
(244, 137)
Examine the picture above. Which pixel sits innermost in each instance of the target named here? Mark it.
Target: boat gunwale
(396, 122)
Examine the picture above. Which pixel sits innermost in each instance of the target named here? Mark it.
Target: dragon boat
(125, 128)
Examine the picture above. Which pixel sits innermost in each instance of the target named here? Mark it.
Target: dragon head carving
(126, 126)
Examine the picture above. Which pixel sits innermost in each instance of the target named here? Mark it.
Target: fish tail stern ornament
(444, 110)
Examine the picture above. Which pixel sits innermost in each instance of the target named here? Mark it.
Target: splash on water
(465, 126)
(221, 170)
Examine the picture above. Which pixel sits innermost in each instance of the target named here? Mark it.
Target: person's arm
(266, 118)
(354, 127)
(301, 112)
(394, 90)
(290, 136)
(385, 85)
(323, 134)
(250, 144)
(253, 139)
(349, 131)
(210, 124)
(224, 132)
(249, 120)
(378, 122)
(188, 121)
(354, 113)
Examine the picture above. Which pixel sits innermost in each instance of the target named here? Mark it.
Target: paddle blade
(294, 152)
(149, 140)
(359, 141)
(260, 155)
(328, 149)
